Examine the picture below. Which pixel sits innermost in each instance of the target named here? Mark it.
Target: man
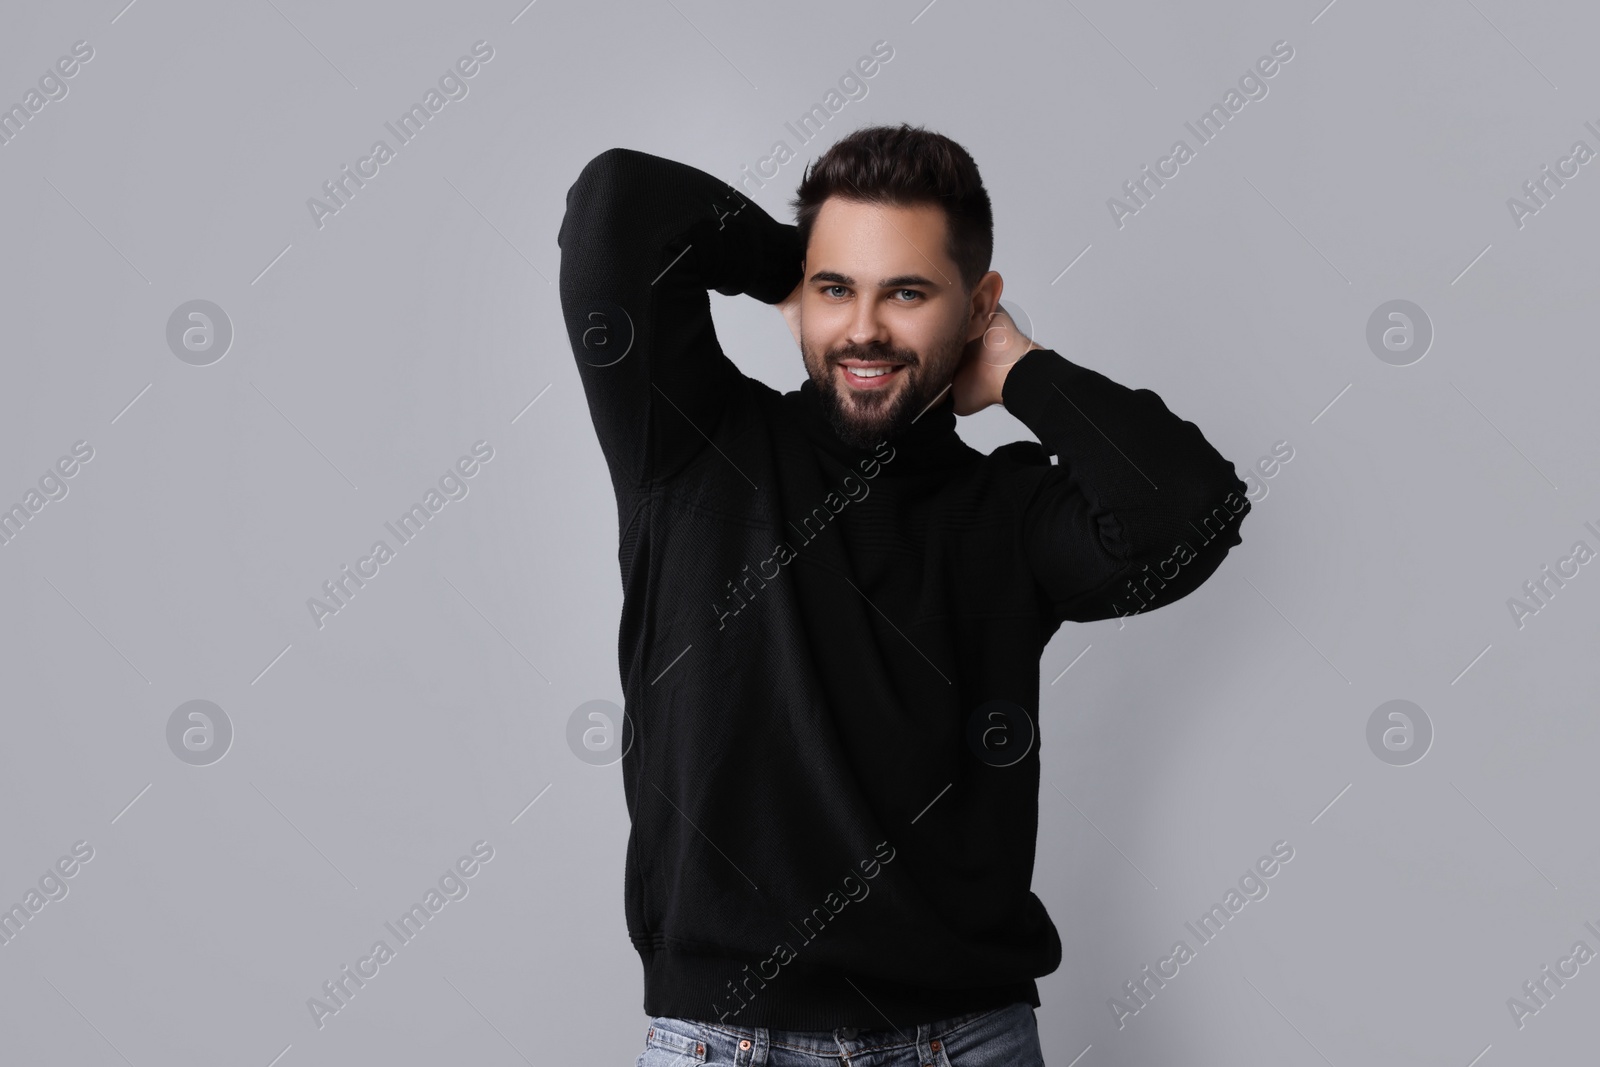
(834, 609)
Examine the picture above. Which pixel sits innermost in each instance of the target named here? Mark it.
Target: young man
(834, 609)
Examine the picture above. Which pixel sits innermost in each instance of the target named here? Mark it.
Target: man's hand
(790, 306)
(986, 362)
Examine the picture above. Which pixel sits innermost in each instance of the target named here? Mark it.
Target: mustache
(873, 355)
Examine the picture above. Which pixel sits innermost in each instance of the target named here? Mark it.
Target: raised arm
(1140, 510)
(642, 241)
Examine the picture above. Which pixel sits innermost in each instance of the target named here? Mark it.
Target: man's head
(897, 232)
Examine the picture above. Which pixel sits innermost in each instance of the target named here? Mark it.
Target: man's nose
(866, 325)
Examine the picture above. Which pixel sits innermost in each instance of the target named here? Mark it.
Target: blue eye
(913, 292)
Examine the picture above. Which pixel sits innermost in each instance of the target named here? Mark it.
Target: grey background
(428, 714)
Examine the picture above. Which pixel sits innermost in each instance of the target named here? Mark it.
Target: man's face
(883, 298)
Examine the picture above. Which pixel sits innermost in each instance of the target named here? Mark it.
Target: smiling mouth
(862, 374)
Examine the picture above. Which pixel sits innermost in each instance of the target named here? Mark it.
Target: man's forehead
(880, 244)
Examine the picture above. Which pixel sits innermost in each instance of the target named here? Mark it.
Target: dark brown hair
(905, 165)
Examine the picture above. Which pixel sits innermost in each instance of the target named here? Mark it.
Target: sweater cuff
(778, 265)
(1030, 386)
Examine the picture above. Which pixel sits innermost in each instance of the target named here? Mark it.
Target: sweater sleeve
(642, 241)
(1140, 509)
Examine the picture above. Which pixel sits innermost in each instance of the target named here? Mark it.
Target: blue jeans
(1006, 1036)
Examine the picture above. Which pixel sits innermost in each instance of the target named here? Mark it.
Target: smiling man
(880, 349)
(834, 609)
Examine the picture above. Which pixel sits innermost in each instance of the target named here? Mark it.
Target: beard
(861, 419)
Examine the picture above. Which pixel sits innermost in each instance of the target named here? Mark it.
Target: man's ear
(985, 298)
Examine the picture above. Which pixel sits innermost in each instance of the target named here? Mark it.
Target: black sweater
(830, 656)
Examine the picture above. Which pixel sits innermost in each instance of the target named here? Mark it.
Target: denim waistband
(847, 1041)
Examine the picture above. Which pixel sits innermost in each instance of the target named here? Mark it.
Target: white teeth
(869, 372)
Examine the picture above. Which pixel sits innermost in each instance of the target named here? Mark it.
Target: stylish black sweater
(830, 656)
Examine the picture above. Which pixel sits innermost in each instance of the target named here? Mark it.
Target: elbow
(602, 186)
(1216, 532)
(1218, 509)
(607, 164)
(1172, 574)
(1154, 583)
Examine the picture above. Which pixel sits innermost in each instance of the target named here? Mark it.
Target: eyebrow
(897, 282)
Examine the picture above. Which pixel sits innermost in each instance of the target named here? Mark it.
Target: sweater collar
(930, 441)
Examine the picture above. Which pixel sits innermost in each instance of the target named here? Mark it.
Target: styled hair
(905, 165)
